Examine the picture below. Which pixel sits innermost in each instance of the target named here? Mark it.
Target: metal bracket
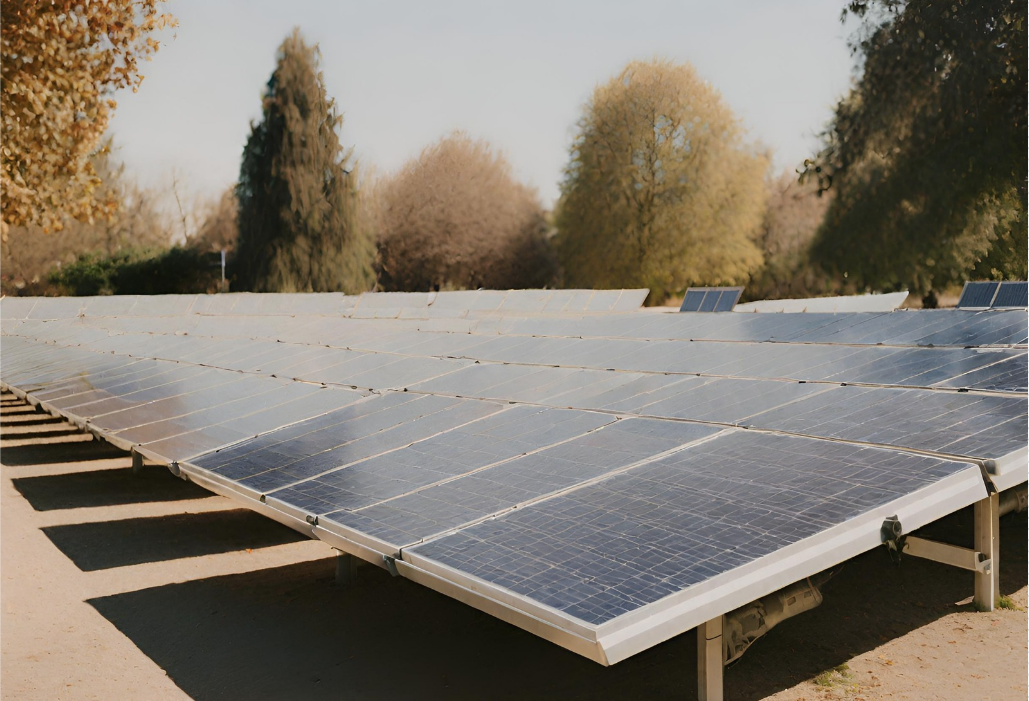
(313, 520)
(947, 554)
(391, 565)
(891, 534)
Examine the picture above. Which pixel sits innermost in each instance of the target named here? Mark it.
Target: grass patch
(837, 676)
(1003, 602)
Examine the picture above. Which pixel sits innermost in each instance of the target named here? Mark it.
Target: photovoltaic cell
(728, 299)
(978, 295)
(691, 302)
(612, 547)
(429, 512)
(1012, 294)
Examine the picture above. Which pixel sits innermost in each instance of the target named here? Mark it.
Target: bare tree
(455, 218)
(792, 217)
(218, 228)
(135, 223)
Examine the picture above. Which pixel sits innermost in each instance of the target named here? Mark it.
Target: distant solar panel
(548, 457)
(710, 299)
(693, 300)
(1012, 295)
(978, 295)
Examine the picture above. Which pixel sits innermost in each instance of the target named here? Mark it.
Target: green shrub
(176, 270)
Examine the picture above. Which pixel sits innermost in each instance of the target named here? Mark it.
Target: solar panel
(1012, 295)
(710, 299)
(978, 295)
(691, 302)
(549, 456)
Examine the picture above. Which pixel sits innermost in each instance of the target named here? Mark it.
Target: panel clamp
(892, 534)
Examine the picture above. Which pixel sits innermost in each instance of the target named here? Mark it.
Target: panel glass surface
(632, 539)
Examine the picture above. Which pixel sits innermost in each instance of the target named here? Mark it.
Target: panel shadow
(105, 488)
(43, 419)
(108, 544)
(14, 435)
(288, 633)
(53, 453)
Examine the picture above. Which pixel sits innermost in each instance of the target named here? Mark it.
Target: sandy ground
(116, 586)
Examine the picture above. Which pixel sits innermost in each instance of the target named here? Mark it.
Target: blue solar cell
(691, 302)
(1012, 294)
(978, 295)
(727, 300)
(619, 544)
(709, 302)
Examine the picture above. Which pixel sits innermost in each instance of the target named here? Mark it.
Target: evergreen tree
(298, 220)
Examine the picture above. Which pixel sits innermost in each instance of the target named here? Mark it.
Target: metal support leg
(987, 536)
(344, 569)
(709, 660)
(137, 463)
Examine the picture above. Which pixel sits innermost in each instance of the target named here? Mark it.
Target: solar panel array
(602, 476)
(994, 295)
(710, 299)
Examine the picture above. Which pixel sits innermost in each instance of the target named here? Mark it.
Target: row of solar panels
(590, 521)
(901, 328)
(994, 295)
(739, 380)
(980, 426)
(974, 295)
(369, 305)
(587, 489)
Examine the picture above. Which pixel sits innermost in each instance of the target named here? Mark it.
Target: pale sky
(516, 74)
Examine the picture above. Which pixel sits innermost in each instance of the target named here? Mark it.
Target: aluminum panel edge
(504, 612)
(1010, 470)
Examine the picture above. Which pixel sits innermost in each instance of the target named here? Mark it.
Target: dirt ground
(116, 586)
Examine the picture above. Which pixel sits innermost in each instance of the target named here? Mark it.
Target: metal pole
(137, 463)
(344, 569)
(709, 660)
(987, 537)
(223, 270)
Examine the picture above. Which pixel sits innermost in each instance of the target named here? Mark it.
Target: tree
(455, 218)
(136, 222)
(926, 156)
(791, 219)
(661, 191)
(218, 228)
(297, 189)
(61, 62)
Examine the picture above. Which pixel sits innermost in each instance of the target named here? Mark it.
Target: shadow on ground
(12, 435)
(54, 453)
(289, 633)
(20, 409)
(105, 488)
(43, 419)
(107, 544)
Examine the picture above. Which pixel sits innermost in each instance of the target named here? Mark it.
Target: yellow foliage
(661, 190)
(61, 62)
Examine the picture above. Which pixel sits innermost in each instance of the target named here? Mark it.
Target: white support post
(709, 660)
(344, 569)
(137, 463)
(987, 537)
